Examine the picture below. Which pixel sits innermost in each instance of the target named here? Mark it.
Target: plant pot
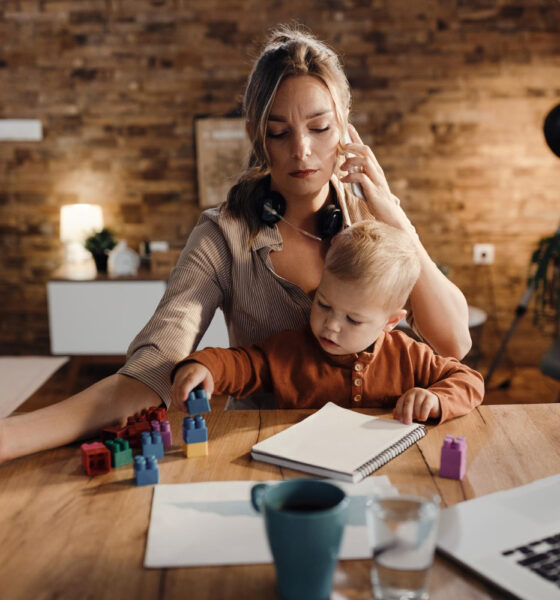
(101, 262)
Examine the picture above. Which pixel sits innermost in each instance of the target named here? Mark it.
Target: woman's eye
(320, 129)
(321, 305)
(278, 135)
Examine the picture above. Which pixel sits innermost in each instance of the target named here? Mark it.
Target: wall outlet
(483, 254)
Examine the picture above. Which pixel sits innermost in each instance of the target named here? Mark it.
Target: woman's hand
(187, 377)
(364, 169)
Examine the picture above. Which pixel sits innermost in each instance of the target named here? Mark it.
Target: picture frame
(222, 149)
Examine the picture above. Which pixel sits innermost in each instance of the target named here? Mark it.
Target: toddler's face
(346, 318)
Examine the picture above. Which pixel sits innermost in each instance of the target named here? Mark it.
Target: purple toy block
(164, 428)
(146, 470)
(453, 457)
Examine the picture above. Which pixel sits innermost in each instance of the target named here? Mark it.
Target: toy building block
(121, 453)
(96, 458)
(146, 470)
(152, 444)
(194, 430)
(453, 457)
(111, 433)
(195, 450)
(155, 413)
(165, 429)
(197, 402)
(135, 426)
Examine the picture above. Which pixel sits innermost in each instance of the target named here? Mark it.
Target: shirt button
(357, 382)
(357, 367)
(357, 398)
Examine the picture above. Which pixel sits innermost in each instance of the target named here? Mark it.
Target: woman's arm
(439, 308)
(105, 403)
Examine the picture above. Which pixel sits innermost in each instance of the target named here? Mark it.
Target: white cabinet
(102, 316)
(99, 316)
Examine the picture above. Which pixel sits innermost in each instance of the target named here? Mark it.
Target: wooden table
(65, 535)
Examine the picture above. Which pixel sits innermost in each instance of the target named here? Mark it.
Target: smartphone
(356, 187)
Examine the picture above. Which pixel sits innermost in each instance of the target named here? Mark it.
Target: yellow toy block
(194, 450)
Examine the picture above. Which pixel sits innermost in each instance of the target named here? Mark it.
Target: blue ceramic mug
(304, 520)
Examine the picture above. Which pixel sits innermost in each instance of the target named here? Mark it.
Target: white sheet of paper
(214, 523)
(21, 376)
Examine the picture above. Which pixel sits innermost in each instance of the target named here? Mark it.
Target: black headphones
(271, 207)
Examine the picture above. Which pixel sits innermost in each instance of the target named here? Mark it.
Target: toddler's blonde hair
(381, 257)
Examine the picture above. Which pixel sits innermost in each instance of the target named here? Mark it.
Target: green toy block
(121, 452)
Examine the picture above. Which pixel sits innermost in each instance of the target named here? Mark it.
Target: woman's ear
(394, 319)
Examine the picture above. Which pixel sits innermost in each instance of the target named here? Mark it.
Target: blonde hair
(289, 51)
(381, 257)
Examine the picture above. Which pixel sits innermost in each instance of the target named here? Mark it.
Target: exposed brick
(451, 96)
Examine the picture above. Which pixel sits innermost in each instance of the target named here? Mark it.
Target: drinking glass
(402, 530)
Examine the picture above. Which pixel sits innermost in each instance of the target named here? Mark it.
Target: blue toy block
(453, 457)
(152, 444)
(197, 402)
(121, 452)
(146, 470)
(194, 430)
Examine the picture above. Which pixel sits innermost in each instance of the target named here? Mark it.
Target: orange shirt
(293, 366)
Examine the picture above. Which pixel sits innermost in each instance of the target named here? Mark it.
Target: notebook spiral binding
(375, 463)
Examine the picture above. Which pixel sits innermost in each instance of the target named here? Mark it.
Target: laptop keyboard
(542, 557)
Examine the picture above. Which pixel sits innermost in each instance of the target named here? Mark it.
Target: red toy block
(155, 413)
(96, 458)
(135, 426)
(112, 433)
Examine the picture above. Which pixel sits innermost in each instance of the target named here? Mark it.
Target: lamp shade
(78, 221)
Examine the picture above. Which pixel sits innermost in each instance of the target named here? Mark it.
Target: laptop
(510, 538)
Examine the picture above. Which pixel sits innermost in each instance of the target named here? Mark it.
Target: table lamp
(77, 222)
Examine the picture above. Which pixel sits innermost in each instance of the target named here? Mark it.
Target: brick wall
(451, 94)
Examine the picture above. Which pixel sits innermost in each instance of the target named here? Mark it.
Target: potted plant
(99, 244)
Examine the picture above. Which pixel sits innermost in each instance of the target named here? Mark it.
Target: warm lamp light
(77, 222)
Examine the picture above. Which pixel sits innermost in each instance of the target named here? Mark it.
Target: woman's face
(302, 137)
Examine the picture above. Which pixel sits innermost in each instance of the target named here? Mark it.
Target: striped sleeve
(197, 286)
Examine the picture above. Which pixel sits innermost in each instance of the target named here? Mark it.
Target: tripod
(521, 309)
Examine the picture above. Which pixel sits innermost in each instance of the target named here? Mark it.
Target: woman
(263, 277)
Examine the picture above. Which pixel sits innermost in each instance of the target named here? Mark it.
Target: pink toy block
(165, 429)
(453, 457)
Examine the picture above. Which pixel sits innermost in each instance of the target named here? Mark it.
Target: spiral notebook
(338, 443)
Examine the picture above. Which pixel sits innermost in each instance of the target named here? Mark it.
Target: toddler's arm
(186, 378)
(419, 404)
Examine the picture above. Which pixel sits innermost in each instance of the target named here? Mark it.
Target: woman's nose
(301, 146)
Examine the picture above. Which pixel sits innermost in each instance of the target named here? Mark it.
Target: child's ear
(394, 319)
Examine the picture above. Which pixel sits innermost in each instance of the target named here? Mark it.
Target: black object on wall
(552, 130)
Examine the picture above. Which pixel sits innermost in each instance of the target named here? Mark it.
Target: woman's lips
(303, 174)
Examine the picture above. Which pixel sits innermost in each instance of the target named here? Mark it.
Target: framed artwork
(222, 149)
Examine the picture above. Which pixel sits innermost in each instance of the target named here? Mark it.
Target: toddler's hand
(417, 403)
(186, 379)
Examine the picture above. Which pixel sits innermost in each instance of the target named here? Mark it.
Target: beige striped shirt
(218, 268)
